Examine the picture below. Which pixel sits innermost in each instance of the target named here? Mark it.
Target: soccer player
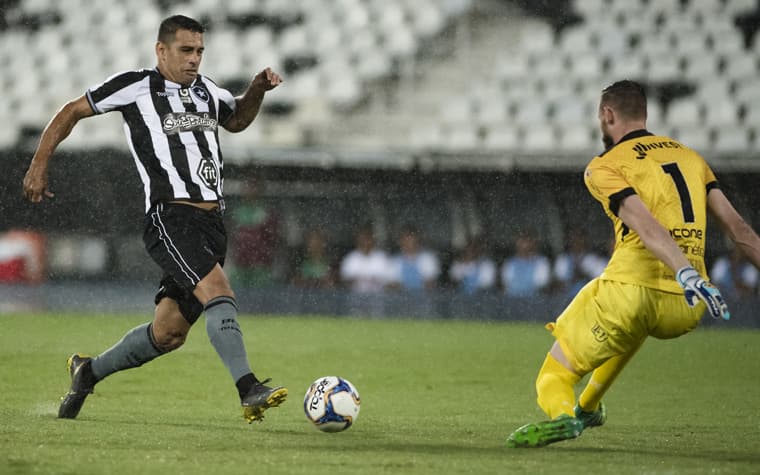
(657, 192)
(171, 114)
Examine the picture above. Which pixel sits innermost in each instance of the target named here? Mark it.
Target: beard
(607, 140)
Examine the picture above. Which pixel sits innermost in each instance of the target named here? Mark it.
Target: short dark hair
(628, 98)
(170, 25)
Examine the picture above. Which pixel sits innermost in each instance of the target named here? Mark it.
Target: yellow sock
(555, 387)
(601, 380)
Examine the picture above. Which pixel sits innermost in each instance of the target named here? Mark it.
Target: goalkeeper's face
(180, 59)
(604, 126)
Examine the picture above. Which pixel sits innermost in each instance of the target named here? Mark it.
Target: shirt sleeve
(115, 92)
(226, 102)
(607, 185)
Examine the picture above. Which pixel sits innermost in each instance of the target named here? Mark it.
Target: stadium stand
(405, 85)
(365, 72)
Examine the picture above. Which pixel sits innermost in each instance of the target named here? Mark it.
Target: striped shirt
(171, 131)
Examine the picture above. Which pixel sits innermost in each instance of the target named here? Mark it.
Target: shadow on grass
(612, 452)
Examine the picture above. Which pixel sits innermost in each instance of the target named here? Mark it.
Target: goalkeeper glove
(695, 288)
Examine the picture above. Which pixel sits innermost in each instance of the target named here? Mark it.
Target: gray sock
(134, 349)
(225, 335)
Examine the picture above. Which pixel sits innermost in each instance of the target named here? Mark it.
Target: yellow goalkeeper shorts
(609, 318)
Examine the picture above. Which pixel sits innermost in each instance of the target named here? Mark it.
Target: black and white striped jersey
(171, 131)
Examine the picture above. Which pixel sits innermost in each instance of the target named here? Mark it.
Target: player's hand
(36, 183)
(266, 80)
(695, 288)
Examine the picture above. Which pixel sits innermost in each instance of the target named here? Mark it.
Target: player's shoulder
(208, 82)
(131, 75)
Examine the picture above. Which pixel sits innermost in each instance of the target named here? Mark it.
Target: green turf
(437, 398)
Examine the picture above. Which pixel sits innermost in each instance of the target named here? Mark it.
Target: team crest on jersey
(200, 92)
(208, 172)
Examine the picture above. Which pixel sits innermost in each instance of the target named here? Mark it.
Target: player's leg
(217, 297)
(555, 384)
(555, 387)
(590, 408)
(138, 346)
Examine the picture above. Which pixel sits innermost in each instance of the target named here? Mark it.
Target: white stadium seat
(732, 140)
(694, 137)
(685, 112)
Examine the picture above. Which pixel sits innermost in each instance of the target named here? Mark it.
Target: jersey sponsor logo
(208, 172)
(176, 122)
(686, 233)
(200, 92)
(642, 148)
(184, 95)
(165, 94)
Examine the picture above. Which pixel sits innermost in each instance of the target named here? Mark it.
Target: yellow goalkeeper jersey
(673, 181)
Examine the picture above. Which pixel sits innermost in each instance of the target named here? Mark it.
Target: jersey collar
(629, 136)
(178, 85)
(634, 135)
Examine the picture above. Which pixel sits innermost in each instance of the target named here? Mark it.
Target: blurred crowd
(259, 257)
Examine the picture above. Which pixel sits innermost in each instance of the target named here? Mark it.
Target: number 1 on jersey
(683, 190)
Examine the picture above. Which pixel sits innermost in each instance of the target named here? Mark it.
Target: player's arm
(656, 238)
(247, 106)
(59, 127)
(734, 225)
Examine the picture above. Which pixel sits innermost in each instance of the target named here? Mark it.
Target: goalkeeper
(657, 192)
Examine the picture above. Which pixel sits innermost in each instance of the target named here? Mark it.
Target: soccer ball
(331, 404)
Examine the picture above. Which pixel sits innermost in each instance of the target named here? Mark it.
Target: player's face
(604, 127)
(180, 59)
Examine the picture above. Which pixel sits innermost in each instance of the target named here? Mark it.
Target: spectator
(413, 267)
(577, 265)
(255, 239)
(314, 267)
(365, 269)
(734, 275)
(527, 273)
(472, 271)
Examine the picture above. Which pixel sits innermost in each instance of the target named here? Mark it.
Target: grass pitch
(437, 398)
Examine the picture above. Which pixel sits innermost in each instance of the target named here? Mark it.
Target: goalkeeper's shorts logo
(599, 333)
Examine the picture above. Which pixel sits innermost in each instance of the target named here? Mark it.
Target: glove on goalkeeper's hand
(695, 288)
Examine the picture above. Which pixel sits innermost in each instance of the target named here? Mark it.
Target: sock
(225, 335)
(555, 386)
(133, 350)
(601, 380)
(245, 384)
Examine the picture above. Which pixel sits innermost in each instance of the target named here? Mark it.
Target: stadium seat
(538, 138)
(732, 140)
(662, 68)
(631, 66)
(461, 136)
(577, 39)
(530, 112)
(722, 113)
(501, 138)
(741, 67)
(512, 68)
(536, 39)
(585, 67)
(699, 67)
(576, 137)
(695, 137)
(684, 112)
(569, 111)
